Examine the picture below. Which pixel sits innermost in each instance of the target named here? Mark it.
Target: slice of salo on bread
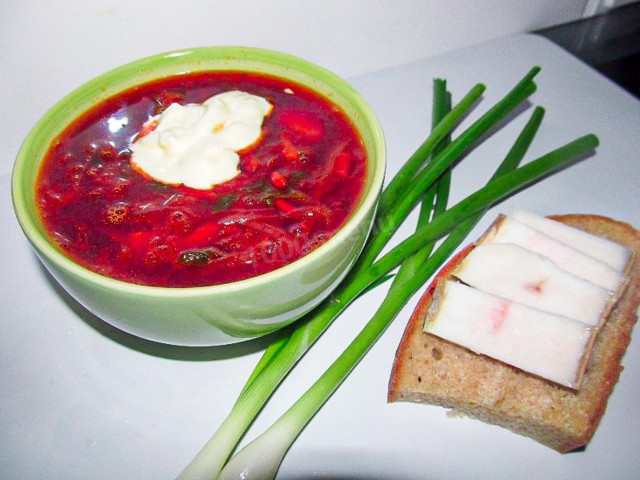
(433, 370)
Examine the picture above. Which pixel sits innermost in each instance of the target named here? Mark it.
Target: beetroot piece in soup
(297, 185)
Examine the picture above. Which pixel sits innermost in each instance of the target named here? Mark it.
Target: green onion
(435, 200)
(487, 196)
(261, 458)
(283, 354)
(440, 131)
(391, 216)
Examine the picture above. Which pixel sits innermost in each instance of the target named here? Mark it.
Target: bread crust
(430, 370)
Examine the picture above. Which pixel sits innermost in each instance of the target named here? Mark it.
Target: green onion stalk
(286, 350)
(395, 207)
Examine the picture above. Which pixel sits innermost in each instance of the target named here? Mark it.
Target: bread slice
(433, 371)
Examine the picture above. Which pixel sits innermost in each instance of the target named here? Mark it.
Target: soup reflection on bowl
(203, 196)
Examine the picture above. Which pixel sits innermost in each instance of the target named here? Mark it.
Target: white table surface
(81, 400)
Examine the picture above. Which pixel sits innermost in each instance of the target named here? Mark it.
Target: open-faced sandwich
(526, 328)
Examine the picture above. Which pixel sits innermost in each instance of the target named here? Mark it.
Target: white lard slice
(512, 272)
(196, 144)
(538, 342)
(614, 254)
(508, 230)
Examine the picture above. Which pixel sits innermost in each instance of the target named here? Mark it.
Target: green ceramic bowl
(218, 314)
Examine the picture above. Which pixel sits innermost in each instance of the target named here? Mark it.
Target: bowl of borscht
(204, 196)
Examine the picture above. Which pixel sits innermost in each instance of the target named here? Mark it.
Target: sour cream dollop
(196, 144)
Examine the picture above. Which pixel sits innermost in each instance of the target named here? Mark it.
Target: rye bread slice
(430, 370)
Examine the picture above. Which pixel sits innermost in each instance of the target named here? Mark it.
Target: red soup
(297, 185)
